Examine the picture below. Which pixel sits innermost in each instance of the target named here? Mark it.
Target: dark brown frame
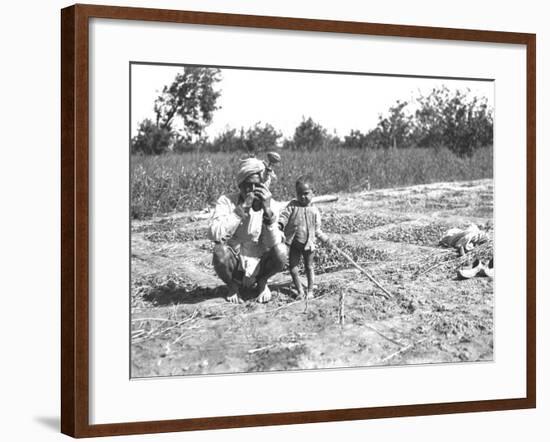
(74, 220)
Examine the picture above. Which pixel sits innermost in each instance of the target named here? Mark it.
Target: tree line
(440, 119)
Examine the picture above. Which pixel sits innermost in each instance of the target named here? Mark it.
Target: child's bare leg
(294, 261)
(310, 272)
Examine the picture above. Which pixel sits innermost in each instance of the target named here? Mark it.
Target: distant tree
(229, 141)
(288, 144)
(260, 138)
(394, 129)
(183, 144)
(192, 98)
(359, 140)
(443, 118)
(151, 139)
(454, 120)
(309, 135)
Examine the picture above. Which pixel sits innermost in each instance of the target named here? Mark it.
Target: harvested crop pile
(353, 223)
(171, 230)
(164, 225)
(176, 235)
(425, 235)
(329, 260)
(448, 260)
(151, 288)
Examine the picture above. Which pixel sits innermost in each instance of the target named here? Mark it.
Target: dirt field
(182, 325)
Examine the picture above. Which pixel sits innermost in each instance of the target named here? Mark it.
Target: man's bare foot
(310, 294)
(264, 296)
(234, 299)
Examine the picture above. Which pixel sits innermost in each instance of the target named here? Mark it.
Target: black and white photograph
(275, 220)
(286, 220)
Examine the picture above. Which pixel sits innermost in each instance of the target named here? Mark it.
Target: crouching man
(249, 245)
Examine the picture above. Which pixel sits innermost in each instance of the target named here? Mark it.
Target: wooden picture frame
(75, 219)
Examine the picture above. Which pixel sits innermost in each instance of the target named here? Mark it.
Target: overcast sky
(338, 102)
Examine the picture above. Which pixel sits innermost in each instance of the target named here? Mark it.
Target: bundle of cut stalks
(449, 260)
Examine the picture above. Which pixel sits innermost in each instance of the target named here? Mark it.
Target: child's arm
(323, 237)
(284, 216)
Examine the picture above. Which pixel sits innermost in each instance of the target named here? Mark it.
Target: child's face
(304, 194)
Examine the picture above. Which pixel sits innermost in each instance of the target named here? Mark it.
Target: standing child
(301, 222)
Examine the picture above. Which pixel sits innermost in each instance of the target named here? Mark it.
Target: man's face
(304, 194)
(249, 184)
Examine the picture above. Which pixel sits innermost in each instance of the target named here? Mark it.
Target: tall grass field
(178, 182)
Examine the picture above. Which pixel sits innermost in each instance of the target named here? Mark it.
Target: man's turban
(248, 167)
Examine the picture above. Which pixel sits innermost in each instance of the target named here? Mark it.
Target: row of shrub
(442, 118)
(194, 180)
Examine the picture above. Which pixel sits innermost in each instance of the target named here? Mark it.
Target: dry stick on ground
(153, 319)
(383, 335)
(189, 318)
(284, 306)
(266, 312)
(180, 337)
(435, 256)
(387, 294)
(341, 313)
(402, 350)
(156, 331)
(435, 266)
(194, 314)
(267, 347)
(277, 344)
(459, 260)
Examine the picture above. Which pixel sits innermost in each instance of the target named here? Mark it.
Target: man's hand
(264, 195)
(247, 203)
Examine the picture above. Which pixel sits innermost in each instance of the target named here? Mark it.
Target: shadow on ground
(173, 295)
(168, 295)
